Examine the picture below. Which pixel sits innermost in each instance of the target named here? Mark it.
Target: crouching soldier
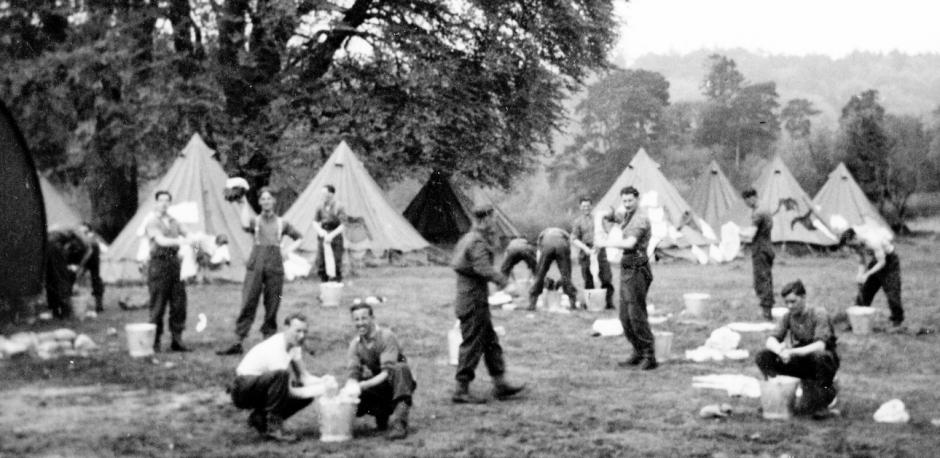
(376, 361)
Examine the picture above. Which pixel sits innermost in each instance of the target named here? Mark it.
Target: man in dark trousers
(376, 361)
(762, 252)
(582, 237)
(265, 268)
(473, 262)
(518, 250)
(58, 278)
(879, 268)
(91, 263)
(554, 246)
(811, 354)
(635, 280)
(264, 378)
(329, 223)
(163, 272)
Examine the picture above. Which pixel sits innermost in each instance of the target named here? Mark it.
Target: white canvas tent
(196, 181)
(382, 228)
(795, 217)
(58, 213)
(842, 198)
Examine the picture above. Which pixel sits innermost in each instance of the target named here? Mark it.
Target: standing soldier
(473, 262)
(91, 263)
(329, 223)
(582, 237)
(554, 246)
(879, 268)
(635, 280)
(265, 268)
(762, 252)
(163, 272)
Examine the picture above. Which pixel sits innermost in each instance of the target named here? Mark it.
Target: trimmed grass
(579, 402)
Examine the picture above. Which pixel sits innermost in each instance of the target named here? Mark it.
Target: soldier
(762, 252)
(879, 268)
(473, 262)
(582, 237)
(635, 280)
(329, 223)
(163, 272)
(265, 268)
(91, 263)
(554, 246)
(518, 250)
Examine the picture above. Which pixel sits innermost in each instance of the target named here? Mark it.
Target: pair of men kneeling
(811, 355)
(268, 380)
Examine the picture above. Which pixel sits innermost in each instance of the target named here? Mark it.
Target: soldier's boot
(177, 344)
(462, 395)
(503, 389)
(398, 424)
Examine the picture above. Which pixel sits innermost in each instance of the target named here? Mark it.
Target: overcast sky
(830, 27)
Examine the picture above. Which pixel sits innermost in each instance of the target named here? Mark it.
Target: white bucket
(861, 319)
(79, 305)
(140, 338)
(336, 419)
(331, 293)
(696, 304)
(596, 299)
(552, 299)
(520, 287)
(454, 339)
(778, 313)
(777, 397)
(663, 347)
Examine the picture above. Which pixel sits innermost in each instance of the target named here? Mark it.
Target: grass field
(579, 402)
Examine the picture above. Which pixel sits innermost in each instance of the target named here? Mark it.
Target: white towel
(328, 260)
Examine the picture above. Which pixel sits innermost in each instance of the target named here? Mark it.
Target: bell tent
(380, 230)
(440, 211)
(58, 213)
(716, 201)
(795, 217)
(196, 181)
(841, 197)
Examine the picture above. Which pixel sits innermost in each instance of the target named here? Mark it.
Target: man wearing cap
(762, 252)
(473, 262)
(635, 280)
(265, 268)
(554, 246)
(329, 222)
(582, 237)
(163, 272)
(376, 361)
(811, 353)
(879, 268)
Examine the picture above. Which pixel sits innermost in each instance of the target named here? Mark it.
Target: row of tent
(439, 212)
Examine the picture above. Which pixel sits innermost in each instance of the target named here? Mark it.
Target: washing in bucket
(331, 293)
(140, 338)
(336, 416)
(663, 345)
(454, 339)
(777, 397)
(861, 319)
(596, 299)
(696, 304)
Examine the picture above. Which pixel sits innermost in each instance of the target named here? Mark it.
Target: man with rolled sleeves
(473, 262)
(635, 280)
(376, 361)
(554, 246)
(163, 272)
(518, 250)
(329, 223)
(762, 252)
(879, 268)
(810, 355)
(265, 268)
(582, 237)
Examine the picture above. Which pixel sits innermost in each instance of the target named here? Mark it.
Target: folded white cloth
(739, 326)
(892, 411)
(500, 298)
(733, 384)
(607, 327)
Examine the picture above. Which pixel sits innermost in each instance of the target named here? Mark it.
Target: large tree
(796, 118)
(469, 87)
(908, 161)
(865, 145)
(622, 112)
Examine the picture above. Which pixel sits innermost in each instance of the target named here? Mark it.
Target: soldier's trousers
(763, 278)
(889, 279)
(635, 280)
(479, 341)
(166, 289)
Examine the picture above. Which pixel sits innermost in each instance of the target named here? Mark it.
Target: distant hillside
(907, 84)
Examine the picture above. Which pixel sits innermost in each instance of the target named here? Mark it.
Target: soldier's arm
(479, 254)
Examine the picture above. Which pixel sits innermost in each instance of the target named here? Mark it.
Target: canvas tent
(195, 179)
(841, 197)
(23, 224)
(383, 230)
(674, 223)
(795, 217)
(716, 201)
(440, 211)
(58, 212)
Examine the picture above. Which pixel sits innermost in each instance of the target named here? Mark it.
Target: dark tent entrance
(441, 212)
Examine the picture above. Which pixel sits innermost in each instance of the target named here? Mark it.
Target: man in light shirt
(879, 268)
(264, 378)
